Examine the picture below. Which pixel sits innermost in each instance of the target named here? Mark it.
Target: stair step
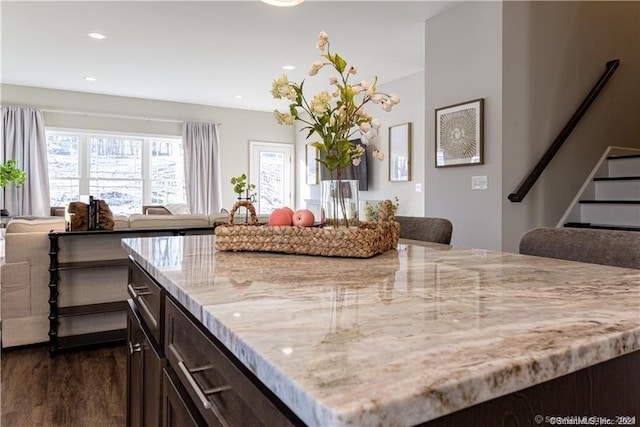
(623, 166)
(623, 156)
(617, 189)
(611, 202)
(601, 226)
(617, 178)
(615, 212)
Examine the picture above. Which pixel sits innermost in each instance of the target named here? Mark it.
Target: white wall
(464, 62)
(554, 52)
(533, 63)
(238, 127)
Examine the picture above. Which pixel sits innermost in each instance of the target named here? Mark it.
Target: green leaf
(339, 63)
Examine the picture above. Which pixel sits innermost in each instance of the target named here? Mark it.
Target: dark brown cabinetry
(144, 370)
(180, 375)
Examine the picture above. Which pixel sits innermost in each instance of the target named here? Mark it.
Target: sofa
(24, 276)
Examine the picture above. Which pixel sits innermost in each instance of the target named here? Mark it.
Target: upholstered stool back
(608, 247)
(436, 230)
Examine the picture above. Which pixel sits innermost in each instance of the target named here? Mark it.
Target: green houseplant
(11, 173)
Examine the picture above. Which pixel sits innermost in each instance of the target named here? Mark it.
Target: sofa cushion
(157, 210)
(168, 221)
(120, 221)
(46, 224)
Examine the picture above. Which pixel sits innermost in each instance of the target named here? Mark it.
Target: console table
(427, 335)
(56, 312)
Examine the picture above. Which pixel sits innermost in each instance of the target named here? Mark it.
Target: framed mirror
(400, 152)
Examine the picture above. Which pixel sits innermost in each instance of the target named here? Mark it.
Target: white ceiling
(205, 52)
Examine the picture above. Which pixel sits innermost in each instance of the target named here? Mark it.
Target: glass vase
(340, 203)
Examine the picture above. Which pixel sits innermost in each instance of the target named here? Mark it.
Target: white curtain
(202, 167)
(24, 140)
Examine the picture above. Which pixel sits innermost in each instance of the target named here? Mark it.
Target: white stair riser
(617, 190)
(611, 214)
(624, 167)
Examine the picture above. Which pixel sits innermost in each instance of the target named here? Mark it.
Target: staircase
(610, 199)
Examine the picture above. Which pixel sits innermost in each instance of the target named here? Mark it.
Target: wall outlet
(478, 183)
(418, 188)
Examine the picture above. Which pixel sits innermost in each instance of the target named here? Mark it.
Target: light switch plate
(479, 182)
(418, 187)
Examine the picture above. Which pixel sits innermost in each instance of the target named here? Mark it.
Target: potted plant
(10, 172)
(240, 185)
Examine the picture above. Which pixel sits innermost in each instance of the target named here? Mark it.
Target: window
(125, 171)
(271, 171)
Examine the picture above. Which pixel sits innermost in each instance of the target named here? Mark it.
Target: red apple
(303, 217)
(279, 217)
(289, 210)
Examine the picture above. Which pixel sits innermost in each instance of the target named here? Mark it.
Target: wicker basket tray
(365, 240)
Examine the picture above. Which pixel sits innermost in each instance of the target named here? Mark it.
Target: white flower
(337, 114)
(315, 67)
(283, 118)
(323, 39)
(320, 102)
(280, 87)
(365, 127)
(377, 98)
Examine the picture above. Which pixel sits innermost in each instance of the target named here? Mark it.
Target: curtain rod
(113, 116)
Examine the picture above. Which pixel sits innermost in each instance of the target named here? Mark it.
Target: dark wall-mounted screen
(359, 172)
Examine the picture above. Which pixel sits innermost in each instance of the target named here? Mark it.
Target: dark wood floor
(76, 388)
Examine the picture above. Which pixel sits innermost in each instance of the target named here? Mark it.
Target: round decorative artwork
(458, 134)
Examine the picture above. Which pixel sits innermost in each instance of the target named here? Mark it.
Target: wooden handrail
(533, 176)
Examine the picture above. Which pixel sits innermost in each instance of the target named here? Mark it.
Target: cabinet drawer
(221, 392)
(144, 367)
(178, 411)
(148, 297)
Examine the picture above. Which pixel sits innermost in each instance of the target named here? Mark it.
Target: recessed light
(288, 67)
(90, 79)
(97, 36)
(237, 96)
(282, 3)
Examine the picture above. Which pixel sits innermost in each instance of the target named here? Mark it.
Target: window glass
(167, 172)
(64, 167)
(125, 171)
(124, 196)
(116, 158)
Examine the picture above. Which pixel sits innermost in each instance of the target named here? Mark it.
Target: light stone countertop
(403, 337)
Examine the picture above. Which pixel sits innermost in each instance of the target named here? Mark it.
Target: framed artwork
(312, 164)
(400, 152)
(459, 134)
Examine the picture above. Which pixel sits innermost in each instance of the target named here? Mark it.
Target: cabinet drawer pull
(134, 291)
(134, 348)
(217, 390)
(194, 385)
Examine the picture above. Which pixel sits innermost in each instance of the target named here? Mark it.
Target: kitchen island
(413, 335)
